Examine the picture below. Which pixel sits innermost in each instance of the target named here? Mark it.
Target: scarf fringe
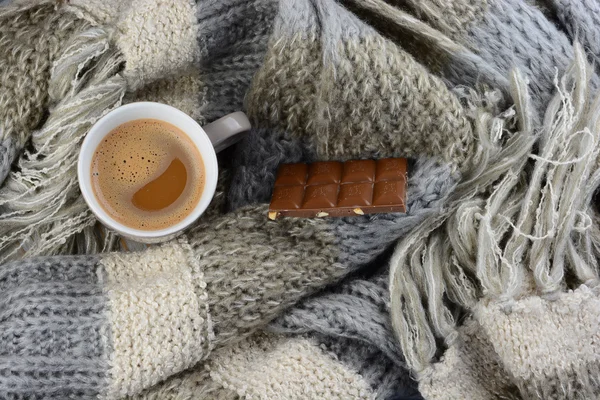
(520, 224)
(41, 209)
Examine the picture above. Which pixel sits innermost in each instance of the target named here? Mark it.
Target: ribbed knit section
(54, 331)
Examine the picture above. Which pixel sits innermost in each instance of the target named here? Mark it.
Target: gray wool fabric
(356, 310)
(240, 306)
(513, 34)
(580, 19)
(53, 316)
(386, 378)
(353, 321)
(233, 39)
(255, 162)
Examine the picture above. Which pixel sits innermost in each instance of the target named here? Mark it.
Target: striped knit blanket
(487, 288)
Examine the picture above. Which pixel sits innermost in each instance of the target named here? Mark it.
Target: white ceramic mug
(209, 140)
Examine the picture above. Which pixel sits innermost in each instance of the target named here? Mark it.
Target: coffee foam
(136, 153)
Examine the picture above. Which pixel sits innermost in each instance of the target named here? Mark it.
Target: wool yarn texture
(486, 288)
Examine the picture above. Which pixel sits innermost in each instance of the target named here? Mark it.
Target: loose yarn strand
(41, 207)
(527, 222)
(413, 330)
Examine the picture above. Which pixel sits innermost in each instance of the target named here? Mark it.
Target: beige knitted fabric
(242, 299)
(344, 117)
(180, 91)
(158, 38)
(147, 32)
(266, 367)
(503, 353)
(468, 369)
(160, 296)
(31, 38)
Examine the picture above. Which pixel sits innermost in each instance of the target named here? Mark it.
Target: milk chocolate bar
(336, 189)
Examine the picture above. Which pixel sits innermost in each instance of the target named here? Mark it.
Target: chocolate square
(355, 194)
(391, 168)
(320, 196)
(388, 193)
(359, 171)
(324, 172)
(291, 174)
(287, 197)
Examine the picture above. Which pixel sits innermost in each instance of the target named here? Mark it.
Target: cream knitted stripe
(158, 316)
(267, 367)
(469, 369)
(270, 367)
(158, 38)
(181, 91)
(561, 363)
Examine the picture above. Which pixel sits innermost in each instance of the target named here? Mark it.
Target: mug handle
(227, 130)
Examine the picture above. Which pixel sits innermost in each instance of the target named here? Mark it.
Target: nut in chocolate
(336, 189)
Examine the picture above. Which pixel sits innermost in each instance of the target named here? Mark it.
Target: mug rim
(199, 138)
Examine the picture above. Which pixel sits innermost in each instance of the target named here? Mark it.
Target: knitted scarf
(490, 290)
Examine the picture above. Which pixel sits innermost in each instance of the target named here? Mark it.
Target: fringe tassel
(41, 209)
(516, 226)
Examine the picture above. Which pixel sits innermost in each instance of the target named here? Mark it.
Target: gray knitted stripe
(255, 163)
(349, 315)
(385, 378)
(581, 19)
(233, 38)
(53, 329)
(296, 17)
(516, 34)
(361, 239)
